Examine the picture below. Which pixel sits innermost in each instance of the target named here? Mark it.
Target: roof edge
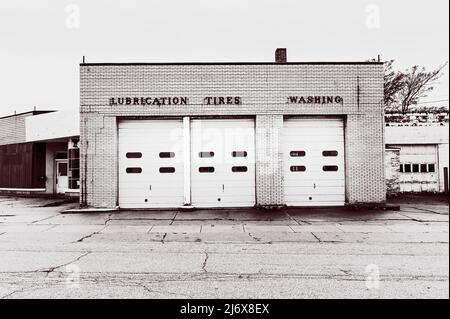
(32, 113)
(230, 63)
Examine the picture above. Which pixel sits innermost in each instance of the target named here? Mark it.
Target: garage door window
(330, 153)
(407, 168)
(165, 170)
(415, 168)
(206, 169)
(134, 170)
(330, 168)
(401, 168)
(298, 168)
(239, 154)
(166, 155)
(297, 153)
(134, 155)
(206, 154)
(423, 168)
(239, 169)
(431, 168)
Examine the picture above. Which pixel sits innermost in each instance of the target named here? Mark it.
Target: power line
(433, 101)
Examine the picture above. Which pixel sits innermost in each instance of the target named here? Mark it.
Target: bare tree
(417, 82)
(394, 82)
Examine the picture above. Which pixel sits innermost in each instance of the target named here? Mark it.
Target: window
(206, 154)
(431, 168)
(401, 168)
(164, 170)
(423, 168)
(415, 168)
(166, 155)
(298, 168)
(297, 153)
(208, 169)
(407, 168)
(134, 170)
(237, 169)
(134, 155)
(62, 169)
(330, 168)
(60, 155)
(74, 168)
(330, 153)
(239, 154)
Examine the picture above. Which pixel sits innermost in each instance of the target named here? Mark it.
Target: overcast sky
(42, 41)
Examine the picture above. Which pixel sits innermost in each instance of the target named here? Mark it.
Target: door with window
(151, 163)
(313, 162)
(62, 176)
(223, 163)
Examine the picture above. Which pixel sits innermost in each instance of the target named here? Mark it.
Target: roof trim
(229, 63)
(28, 112)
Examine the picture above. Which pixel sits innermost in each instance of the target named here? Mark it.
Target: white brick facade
(264, 89)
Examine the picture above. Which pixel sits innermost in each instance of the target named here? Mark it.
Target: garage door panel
(313, 152)
(338, 182)
(302, 190)
(315, 199)
(224, 143)
(159, 183)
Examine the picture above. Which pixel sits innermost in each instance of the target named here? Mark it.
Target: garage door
(418, 168)
(150, 163)
(222, 163)
(313, 152)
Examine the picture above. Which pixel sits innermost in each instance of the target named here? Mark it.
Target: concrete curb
(90, 210)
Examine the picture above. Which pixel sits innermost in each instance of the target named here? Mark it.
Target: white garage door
(222, 163)
(150, 163)
(313, 152)
(418, 168)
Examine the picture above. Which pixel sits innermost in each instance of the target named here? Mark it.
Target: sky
(42, 42)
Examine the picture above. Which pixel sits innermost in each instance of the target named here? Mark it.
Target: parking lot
(246, 253)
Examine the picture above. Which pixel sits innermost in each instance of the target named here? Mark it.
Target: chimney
(281, 55)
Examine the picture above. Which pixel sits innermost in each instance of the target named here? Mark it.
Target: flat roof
(28, 112)
(229, 63)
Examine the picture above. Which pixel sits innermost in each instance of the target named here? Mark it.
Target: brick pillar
(364, 159)
(98, 160)
(269, 169)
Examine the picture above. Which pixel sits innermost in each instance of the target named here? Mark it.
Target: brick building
(231, 134)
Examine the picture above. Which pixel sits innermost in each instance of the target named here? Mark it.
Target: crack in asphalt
(163, 292)
(52, 269)
(12, 293)
(431, 212)
(317, 237)
(174, 217)
(90, 235)
(164, 237)
(254, 237)
(205, 261)
(41, 220)
(108, 219)
(292, 218)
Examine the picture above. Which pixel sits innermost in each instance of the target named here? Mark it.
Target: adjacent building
(417, 152)
(39, 153)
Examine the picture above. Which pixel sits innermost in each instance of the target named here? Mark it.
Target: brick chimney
(281, 55)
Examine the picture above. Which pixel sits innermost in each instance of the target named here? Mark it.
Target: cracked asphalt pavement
(247, 253)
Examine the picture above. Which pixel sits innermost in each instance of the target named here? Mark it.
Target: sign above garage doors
(217, 100)
(175, 100)
(315, 99)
